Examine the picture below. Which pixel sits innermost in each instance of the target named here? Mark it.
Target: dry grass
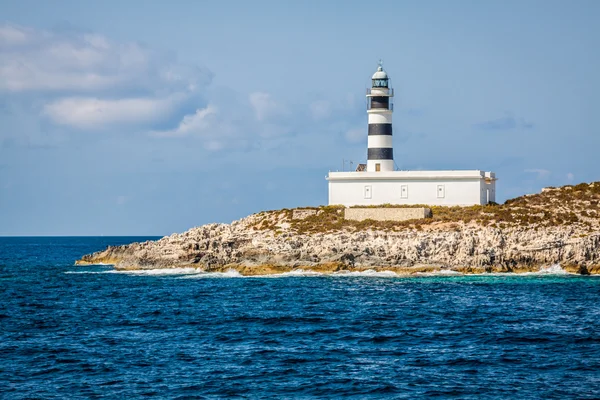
(577, 206)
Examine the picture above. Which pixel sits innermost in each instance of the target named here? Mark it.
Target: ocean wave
(197, 273)
(153, 272)
(296, 272)
(368, 273)
(231, 273)
(162, 271)
(442, 272)
(554, 269)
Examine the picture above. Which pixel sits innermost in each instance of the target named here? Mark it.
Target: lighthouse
(380, 153)
(380, 183)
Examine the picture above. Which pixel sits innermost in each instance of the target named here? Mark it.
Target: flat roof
(412, 175)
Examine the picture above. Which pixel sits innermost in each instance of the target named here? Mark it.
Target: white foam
(197, 273)
(309, 273)
(161, 271)
(231, 273)
(442, 272)
(554, 269)
(296, 272)
(368, 273)
(448, 272)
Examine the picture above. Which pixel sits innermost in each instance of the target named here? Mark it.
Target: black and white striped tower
(380, 155)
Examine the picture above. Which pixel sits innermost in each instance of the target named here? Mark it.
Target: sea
(71, 332)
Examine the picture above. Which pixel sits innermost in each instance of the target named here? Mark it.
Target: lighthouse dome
(380, 74)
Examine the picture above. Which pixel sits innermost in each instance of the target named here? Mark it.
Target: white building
(378, 182)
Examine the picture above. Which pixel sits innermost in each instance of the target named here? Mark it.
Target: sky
(151, 117)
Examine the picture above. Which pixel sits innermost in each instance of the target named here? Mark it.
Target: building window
(404, 192)
(441, 191)
(367, 191)
(377, 167)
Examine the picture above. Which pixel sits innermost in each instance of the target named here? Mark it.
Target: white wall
(491, 189)
(380, 116)
(350, 192)
(382, 141)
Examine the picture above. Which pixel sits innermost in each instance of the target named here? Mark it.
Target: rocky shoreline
(559, 226)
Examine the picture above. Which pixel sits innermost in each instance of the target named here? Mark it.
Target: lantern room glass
(383, 83)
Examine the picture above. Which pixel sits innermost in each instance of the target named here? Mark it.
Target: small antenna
(344, 161)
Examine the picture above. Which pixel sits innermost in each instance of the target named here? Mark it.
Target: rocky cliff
(557, 226)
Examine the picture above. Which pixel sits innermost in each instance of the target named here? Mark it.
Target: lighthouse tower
(379, 184)
(380, 156)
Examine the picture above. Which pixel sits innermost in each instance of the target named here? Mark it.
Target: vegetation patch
(577, 206)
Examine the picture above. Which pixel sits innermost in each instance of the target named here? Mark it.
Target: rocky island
(526, 234)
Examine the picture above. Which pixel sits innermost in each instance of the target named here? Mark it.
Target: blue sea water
(89, 332)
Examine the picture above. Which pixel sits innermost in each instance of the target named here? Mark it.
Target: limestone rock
(558, 226)
(217, 245)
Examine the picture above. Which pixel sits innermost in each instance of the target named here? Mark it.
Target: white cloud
(265, 108)
(86, 81)
(93, 113)
(39, 60)
(198, 123)
(234, 125)
(89, 82)
(210, 126)
(11, 35)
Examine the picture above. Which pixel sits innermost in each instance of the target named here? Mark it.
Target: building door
(377, 167)
(441, 192)
(368, 192)
(404, 192)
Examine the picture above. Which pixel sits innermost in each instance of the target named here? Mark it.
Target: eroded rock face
(466, 248)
